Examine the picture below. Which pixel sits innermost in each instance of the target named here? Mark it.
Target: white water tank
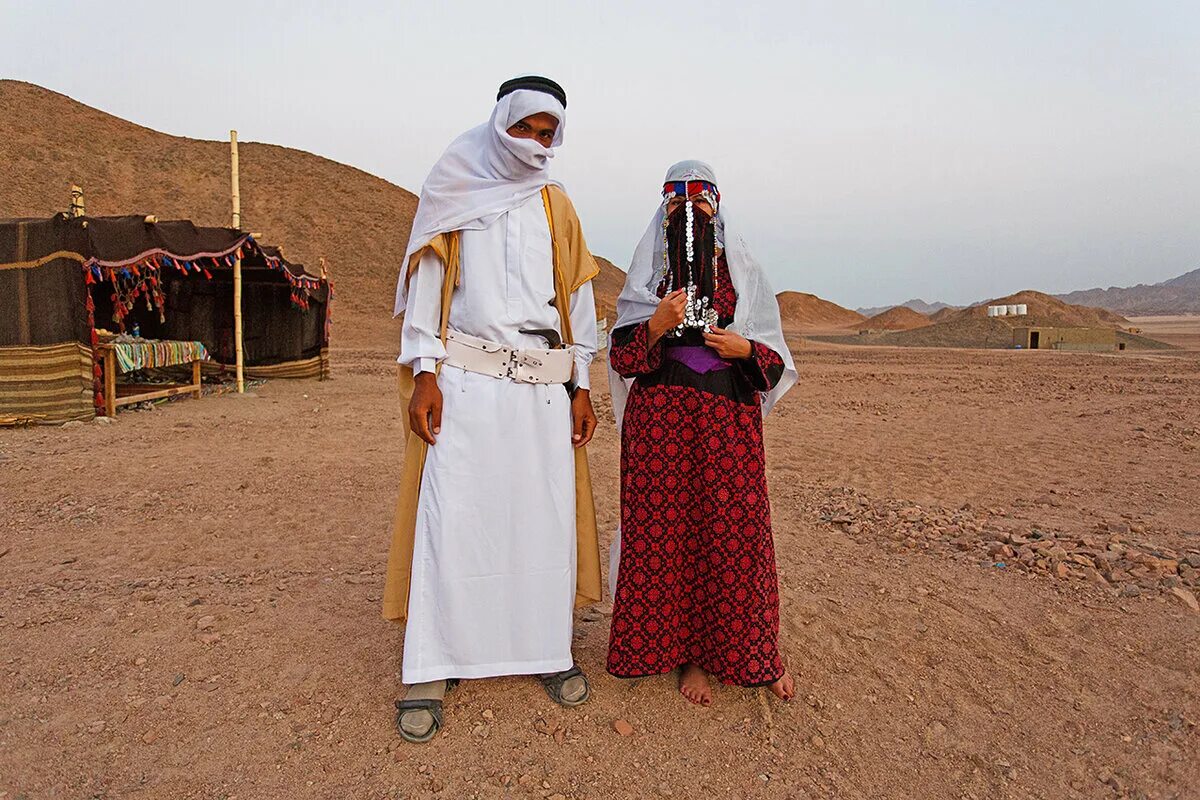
(1022, 309)
(1012, 310)
(991, 311)
(1001, 311)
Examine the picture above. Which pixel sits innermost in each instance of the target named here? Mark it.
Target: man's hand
(583, 418)
(728, 344)
(425, 408)
(668, 315)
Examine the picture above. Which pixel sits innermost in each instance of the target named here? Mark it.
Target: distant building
(1081, 340)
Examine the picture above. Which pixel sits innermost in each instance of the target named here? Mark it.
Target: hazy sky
(871, 152)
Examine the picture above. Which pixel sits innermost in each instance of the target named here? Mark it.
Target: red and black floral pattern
(697, 581)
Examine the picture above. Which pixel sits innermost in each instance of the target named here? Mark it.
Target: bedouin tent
(64, 277)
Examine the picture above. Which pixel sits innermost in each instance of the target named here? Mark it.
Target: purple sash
(698, 358)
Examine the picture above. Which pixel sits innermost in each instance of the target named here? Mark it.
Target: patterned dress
(696, 582)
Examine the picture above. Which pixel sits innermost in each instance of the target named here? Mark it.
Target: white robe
(493, 578)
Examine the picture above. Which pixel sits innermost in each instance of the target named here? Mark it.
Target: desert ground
(1181, 330)
(190, 603)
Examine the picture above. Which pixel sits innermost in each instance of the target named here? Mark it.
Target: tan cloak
(573, 267)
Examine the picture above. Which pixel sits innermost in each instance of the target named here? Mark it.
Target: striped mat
(46, 383)
(315, 367)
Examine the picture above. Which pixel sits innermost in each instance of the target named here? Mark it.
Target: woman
(697, 358)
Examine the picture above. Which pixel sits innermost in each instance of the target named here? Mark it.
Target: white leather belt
(527, 365)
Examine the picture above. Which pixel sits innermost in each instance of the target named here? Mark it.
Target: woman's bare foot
(693, 684)
(784, 688)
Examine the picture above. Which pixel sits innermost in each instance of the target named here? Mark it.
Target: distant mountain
(1188, 280)
(1175, 296)
(920, 306)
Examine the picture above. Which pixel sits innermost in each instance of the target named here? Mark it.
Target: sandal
(553, 684)
(431, 707)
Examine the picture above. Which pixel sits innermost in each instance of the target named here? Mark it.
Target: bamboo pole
(77, 209)
(237, 263)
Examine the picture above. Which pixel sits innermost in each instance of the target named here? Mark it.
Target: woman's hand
(728, 344)
(668, 315)
(583, 418)
(425, 408)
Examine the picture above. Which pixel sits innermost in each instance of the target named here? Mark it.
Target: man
(495, 535)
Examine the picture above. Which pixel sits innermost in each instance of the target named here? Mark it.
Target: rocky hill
(802, 311)
(900, 318)
(309, 205)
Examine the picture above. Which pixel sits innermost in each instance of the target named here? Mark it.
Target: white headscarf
(483, 174)
(757, 314)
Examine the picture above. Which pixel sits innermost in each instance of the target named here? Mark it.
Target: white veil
(483, 173)
(756, 316)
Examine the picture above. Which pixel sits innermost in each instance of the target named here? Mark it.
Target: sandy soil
(1182, 330)
(190, 604)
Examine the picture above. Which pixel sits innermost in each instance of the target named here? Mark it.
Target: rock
(817, 742)
(935, 734)
(1131, 590)
(1061, 570)
(105, 420)
(150, 737)
(1119, 528)
(96, 727)
(622, 727)
(72, 424)
(1002, 552)
(488, 714)
(178, 679)
(206, 622)
(139, 662)
(1186, 598)
(209, 638)
(1193, 560)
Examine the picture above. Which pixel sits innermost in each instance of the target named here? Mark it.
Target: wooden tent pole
(237, 262)
(77, 209)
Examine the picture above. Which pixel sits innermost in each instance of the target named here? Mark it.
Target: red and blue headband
(690, 189)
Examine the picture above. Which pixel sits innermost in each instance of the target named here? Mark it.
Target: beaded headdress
(699, 311)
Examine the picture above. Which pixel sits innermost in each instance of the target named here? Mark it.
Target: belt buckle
(510, 364)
